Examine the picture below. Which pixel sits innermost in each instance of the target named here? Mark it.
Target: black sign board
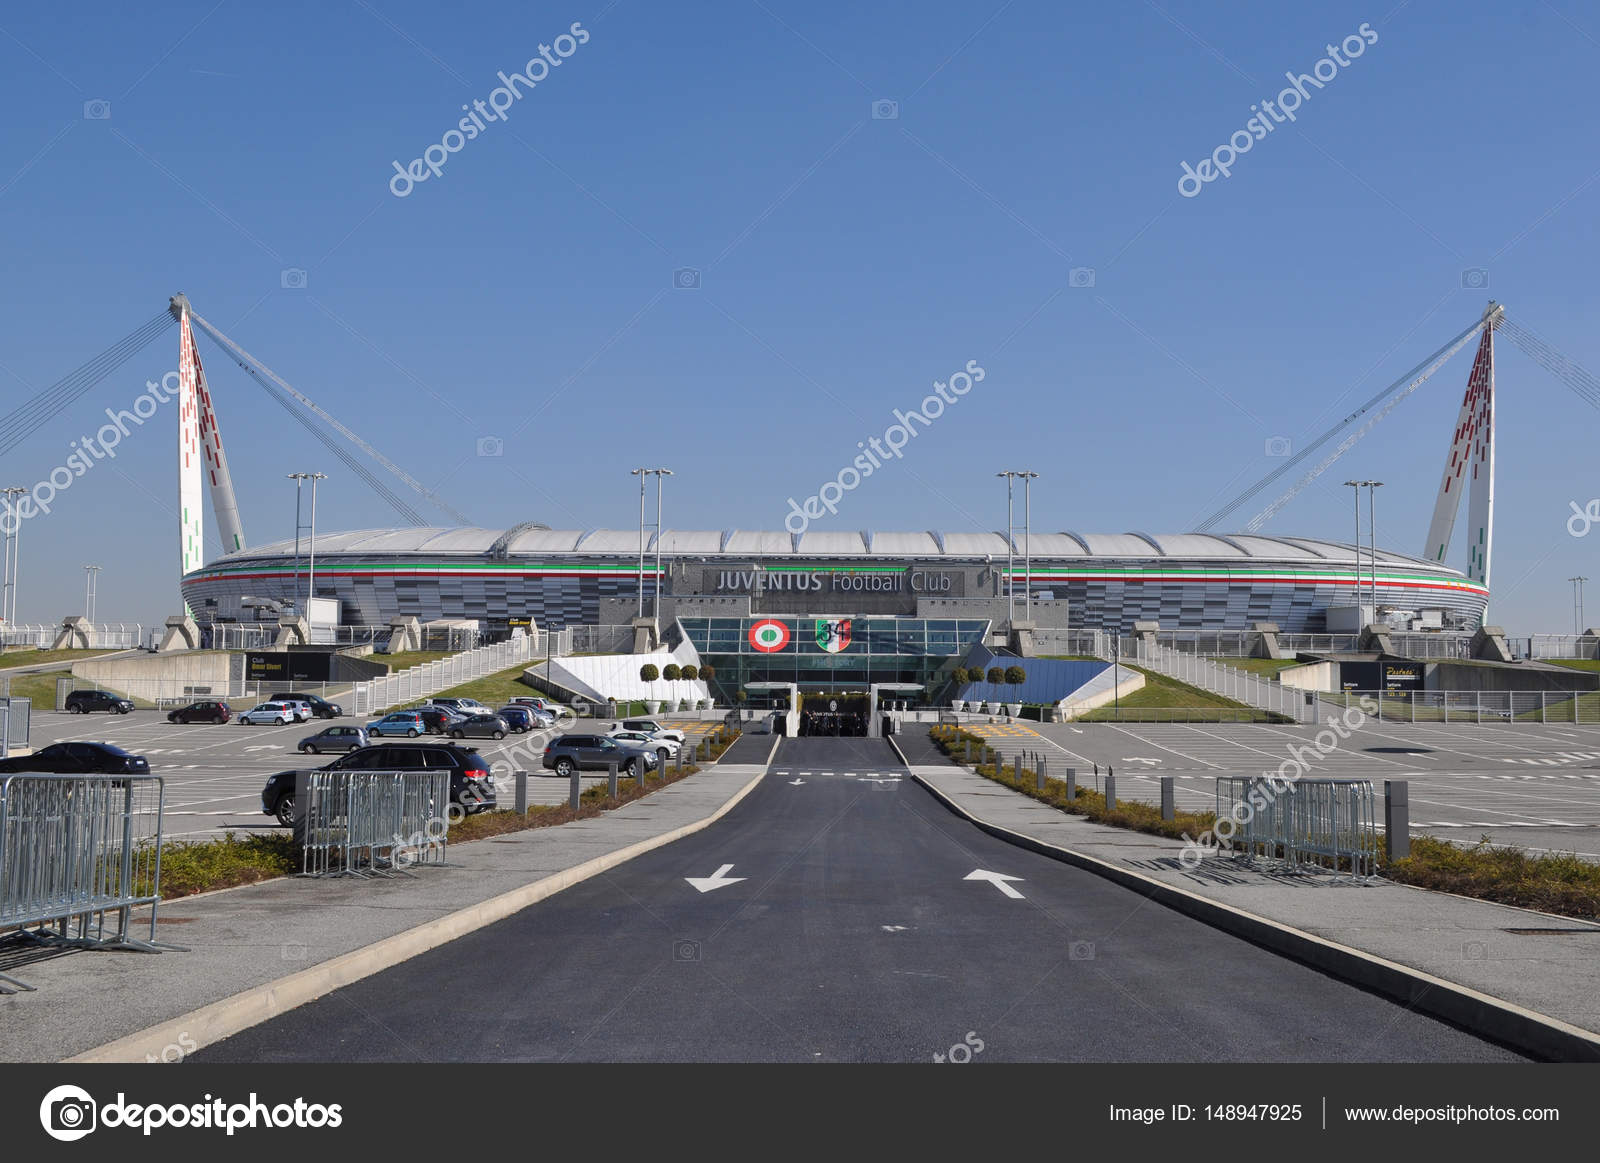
(1390, 677)
(289, 666)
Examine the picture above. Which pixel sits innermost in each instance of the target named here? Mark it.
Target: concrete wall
(156, 676)
(1311, 676)
(1515, 676)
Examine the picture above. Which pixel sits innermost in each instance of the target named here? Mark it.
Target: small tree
(1015, 676)
(996, 677)
(691, 672)
(958, 679)
(707, 672)
(648, 673)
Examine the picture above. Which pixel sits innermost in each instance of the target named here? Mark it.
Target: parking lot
(1534, 787)
(214, 774)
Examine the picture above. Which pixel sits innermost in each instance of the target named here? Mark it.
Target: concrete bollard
(1016, 767)
(1169, 802)
(1111, 790)
(522, 793)
(576, 789)
(1397, 818)
(611, 779)
(1072, 784)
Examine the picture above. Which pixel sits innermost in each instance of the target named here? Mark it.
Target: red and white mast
(200, 450)
(1470, 464)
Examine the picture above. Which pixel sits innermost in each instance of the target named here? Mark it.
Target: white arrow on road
(877, 779)
(718, 879)
(1140, 759)
(998, 879)
(796, 782)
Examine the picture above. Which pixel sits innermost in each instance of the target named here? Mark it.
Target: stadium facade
(591, 577)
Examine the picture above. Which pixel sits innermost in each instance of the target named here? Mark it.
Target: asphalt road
(848, 930)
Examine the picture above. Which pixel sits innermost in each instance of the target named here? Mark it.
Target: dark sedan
(78, 759)
(519, 719)
(208, 711)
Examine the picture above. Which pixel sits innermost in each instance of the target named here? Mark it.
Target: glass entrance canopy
(831, 653)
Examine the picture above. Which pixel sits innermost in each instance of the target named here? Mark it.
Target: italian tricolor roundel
(769, 635)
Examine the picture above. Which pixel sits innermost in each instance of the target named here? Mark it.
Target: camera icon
(1474, 279)
(97, 110)
(1080, 951)
(1080, 277)
(1474, 951)
(294, 951)
(68, 1113)
(292, 279)
(885, 110)
(686, 279)
(685, 950)
(1278, 446)
(491, 446)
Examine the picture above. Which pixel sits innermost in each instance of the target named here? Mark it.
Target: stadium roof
(741, 544)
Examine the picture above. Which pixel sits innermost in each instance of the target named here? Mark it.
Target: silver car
(485, 726)
(668, 748)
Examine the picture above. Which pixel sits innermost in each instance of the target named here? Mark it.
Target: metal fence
(78, 853)
(1469, 706)
(366, 823)
(105, 636)
(16, 715)
(1217, 678)
(1302, 823)
(1084, 642)
(418, 682)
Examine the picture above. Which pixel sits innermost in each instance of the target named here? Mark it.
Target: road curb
(1525, 1030)
(222, 1019)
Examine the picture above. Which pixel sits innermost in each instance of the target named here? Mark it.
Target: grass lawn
(1265, 667)
(1162, 694)
(1575, 663)
(28, 656)
(493, 690)
(405, 660)
(41, 688)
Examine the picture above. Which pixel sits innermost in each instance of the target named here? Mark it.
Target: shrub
(996, 676)
(690, 672)
(648, 672)
(1015, 676)
(672, 673)
(959, 677)
(708, 672)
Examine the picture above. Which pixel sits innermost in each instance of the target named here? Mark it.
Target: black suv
(206, 711)
(471, 785)
(321, 708)
(436, 719)
(81, 702)
(596, 752)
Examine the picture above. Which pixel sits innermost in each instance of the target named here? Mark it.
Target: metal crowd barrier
(370, 823)
(78, 853)
(1303, 823)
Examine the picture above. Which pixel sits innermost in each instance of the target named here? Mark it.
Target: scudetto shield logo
(769, 635)
(833, 634)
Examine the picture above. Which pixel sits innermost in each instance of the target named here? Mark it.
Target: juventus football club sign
(833, 634)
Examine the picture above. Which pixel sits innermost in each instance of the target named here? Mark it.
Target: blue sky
(845, 261)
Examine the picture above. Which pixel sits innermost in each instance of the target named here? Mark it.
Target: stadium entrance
(833, 713)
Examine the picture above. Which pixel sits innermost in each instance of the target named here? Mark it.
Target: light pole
(1577, 603)
(90, 572)
(1011, 586)
(1356, 485)
(1372, 535)
(299, 478)
(658, 473)
(13, 551)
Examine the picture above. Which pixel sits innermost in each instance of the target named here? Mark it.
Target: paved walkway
(242, 939)
(1547, 964)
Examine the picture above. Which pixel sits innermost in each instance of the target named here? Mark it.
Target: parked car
(463, 706)
(651, 727)
(334, 739)
(520, 719)
(82, 702)
(320, 707)
(489, 726)
(78, 758)
(660, 743)
(398, 723)
(269, 714)
(570, 753)
(302, 710)
(205, 711)
(471, 785)
(548, 706)
(437, 719)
